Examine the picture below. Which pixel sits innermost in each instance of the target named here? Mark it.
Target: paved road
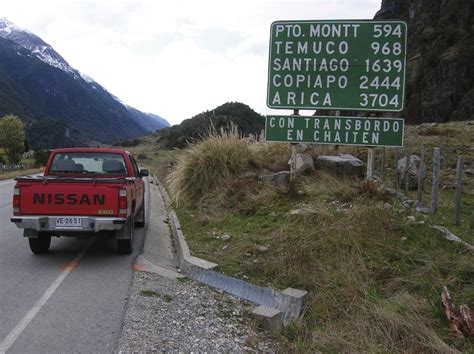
(58, 302)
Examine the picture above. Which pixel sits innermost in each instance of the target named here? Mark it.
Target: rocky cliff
(440, 61)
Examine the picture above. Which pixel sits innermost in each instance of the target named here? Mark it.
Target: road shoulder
(169, 312)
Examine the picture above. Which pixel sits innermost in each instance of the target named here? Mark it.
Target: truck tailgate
(62, 198)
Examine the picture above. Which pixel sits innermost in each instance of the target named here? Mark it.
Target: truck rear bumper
(87, 224)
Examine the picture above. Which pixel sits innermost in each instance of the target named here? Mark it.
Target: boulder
(342, 164)
(413, 168)
(225, 237)
(280, 178)
(302, 148)
(304, 164)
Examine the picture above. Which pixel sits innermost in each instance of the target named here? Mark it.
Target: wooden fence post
(407, 174)
(397, 177)
(370, 163)
(457, 198)
(421, 177)
(382, 171)
(435, 188)
(292, 182)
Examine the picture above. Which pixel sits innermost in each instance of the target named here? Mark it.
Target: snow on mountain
(35, 45)
(43, 51)
(87, 78)
(7, 27)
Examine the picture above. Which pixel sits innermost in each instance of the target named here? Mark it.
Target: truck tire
(41, 244)
(140, 218)
(125, 246)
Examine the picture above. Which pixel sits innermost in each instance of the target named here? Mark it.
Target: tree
(41, 157)
(12, 137)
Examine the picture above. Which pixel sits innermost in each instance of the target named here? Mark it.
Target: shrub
(438, 132)
(207, 165)
(41, 157)
(127, 143)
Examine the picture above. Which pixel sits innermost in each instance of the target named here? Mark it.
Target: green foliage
(149, 293)
(41, 157)
(51, 134)
(12, 137)
(127, 143)
(237, 114)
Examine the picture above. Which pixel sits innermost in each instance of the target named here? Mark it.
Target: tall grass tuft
(273, 157)
(208, 165)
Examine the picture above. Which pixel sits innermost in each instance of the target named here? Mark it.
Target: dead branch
(461, 323)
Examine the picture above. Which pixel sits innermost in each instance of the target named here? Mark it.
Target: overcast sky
(173, 58)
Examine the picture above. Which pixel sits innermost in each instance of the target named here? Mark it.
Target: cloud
(175, 58)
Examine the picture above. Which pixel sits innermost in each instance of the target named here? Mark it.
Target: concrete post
(457, 198)
(436, 173)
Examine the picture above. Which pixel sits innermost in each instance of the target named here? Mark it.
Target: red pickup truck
(83, 191)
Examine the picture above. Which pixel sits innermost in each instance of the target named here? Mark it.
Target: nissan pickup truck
(83, 191)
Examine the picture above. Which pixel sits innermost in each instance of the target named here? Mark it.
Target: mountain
(162, 123)
(151, 121)
(59, 105)
(246, 119)
(440, 58)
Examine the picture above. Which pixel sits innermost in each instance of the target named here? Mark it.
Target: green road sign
(337, 65)
(386, 132)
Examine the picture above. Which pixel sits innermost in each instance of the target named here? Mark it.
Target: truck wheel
(140, 218)
(41, 244)
(125, 246)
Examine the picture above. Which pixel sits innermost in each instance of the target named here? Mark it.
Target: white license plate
(68, 222)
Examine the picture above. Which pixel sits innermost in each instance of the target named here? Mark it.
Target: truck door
(139, 184)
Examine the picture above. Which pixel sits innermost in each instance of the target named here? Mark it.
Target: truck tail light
(16, 201)
(123, 202)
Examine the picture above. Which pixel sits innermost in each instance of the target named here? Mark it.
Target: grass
(151, 293)
(374, 277)
(14, 174)
(207, 166)
(183, 280)
(158, 161)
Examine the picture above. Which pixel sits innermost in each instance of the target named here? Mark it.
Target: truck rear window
(88, 163)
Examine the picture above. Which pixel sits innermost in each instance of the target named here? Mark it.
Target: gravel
(182, 315)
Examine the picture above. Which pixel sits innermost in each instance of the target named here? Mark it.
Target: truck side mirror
(143, 173)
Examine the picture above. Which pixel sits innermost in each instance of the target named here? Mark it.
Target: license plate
(68, 222)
